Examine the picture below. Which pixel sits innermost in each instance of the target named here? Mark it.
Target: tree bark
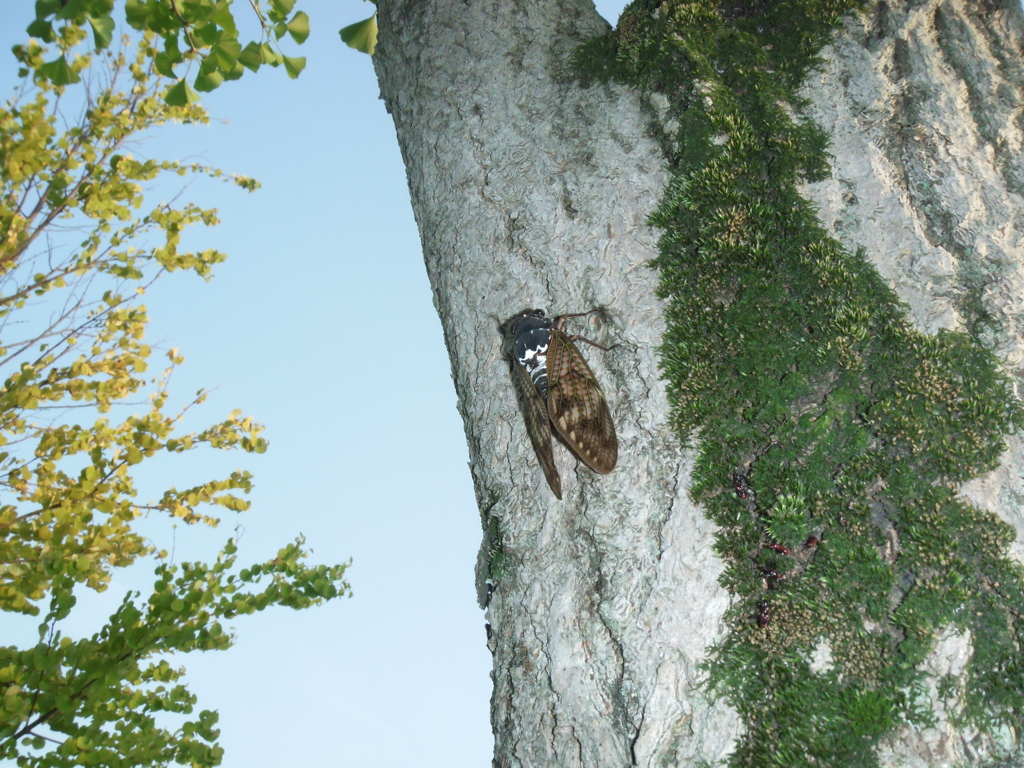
(531, 190)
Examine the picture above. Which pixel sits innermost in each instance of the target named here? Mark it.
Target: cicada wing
(538, 426)
(577, 406)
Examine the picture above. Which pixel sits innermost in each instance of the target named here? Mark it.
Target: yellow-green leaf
(362, 35)
(298, 27)
(294, 65)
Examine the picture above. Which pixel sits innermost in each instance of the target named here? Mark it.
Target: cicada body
(559, 390)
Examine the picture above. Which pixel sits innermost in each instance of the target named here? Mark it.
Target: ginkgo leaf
(283, 7)
(362, 35)
(269, 55)
(250, 57)
(294, 65)
(102, 30)
(42, 29)
(298, 27)
(207, 81)
(181, 94)
(226, 53)
(59, 72)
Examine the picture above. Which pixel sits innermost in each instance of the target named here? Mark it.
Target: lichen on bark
(834, 433)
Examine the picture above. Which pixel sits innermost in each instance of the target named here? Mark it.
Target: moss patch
(832, 433)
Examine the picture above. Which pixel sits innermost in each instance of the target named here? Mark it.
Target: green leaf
(59, 72)
(72, 10)
(162, 63)
(269, 55)
(362, 35)
(227, 53)
(294, 65)
(208, 34)
(283, 7)
(298, 27)
(42, 29)
(235, 72)
(207, 81)
(250, 57)
(172, 49)
(102, 30)
(136, 13)
(224, 19)
(181, 94)
(165, 61)
(46, 8)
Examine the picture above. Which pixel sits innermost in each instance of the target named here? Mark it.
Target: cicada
(559, 390)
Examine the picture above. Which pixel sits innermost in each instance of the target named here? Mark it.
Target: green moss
(833, 434)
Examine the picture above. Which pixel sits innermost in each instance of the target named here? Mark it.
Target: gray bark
(531, 191)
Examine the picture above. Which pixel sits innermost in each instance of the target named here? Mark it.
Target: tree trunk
(531, 190)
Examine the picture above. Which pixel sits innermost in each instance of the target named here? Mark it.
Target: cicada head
(526, 321)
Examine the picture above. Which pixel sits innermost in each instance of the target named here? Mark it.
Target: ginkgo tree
(81, 410)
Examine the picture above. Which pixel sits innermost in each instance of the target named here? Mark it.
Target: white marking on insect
(541, 353)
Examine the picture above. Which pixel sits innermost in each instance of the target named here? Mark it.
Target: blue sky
(320, 326)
